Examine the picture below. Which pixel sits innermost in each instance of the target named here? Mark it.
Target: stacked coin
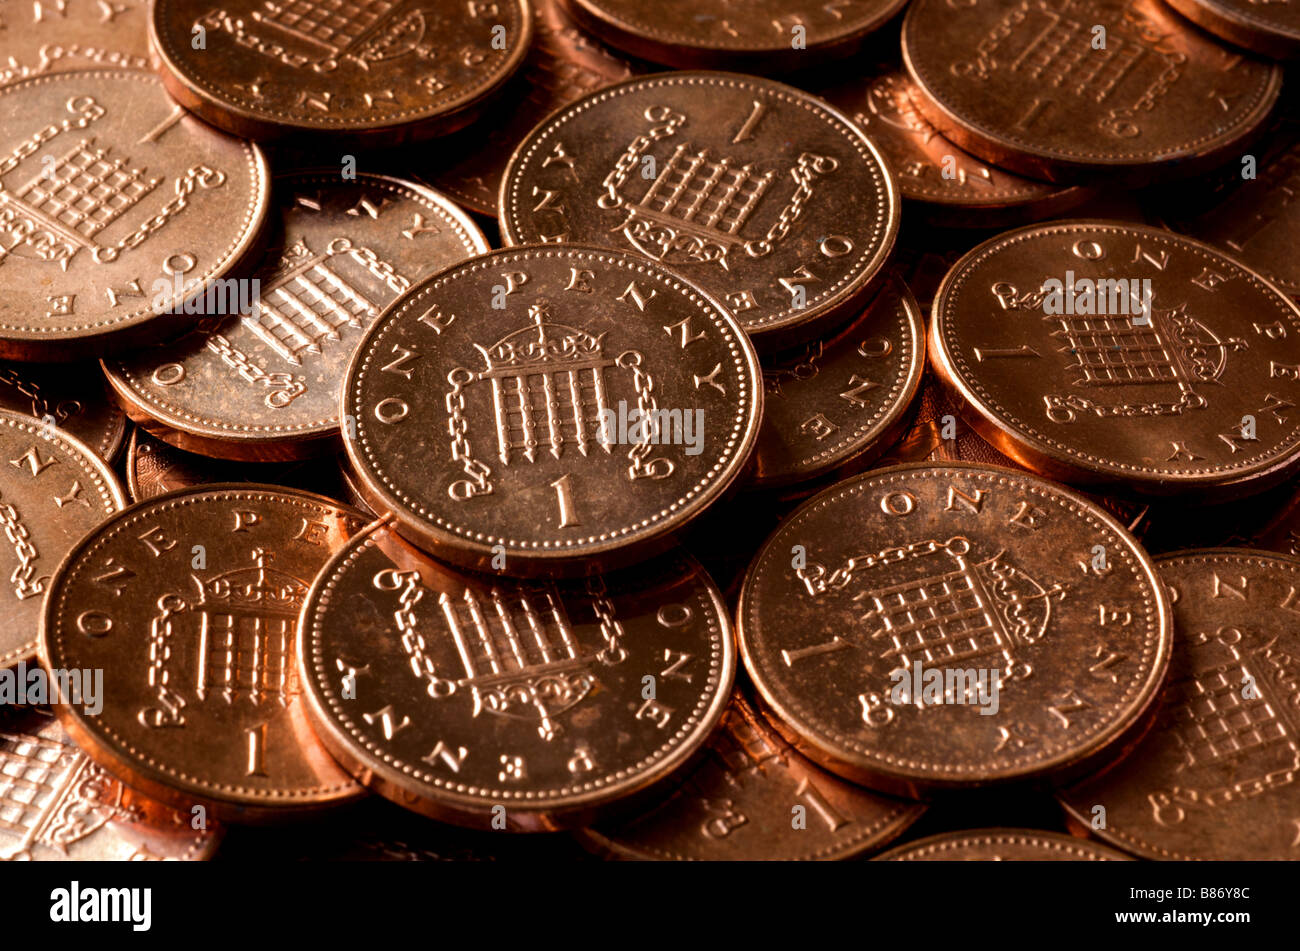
(673, 431)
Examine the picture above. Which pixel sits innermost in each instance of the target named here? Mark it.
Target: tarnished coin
(550, 409)
(1255, 219)
(380, 73)
(763, 195)
(563, 64)
(1194, 390)
(1265, 27)
(740, 802)
(1216, 776)
(1002, 845)
(56, 805)
(842, 400)
(116, 208)
(154, 468)
(755, 36)
(75, 399)
(189, 604)
(264, 383)
(924, 628)
(946, 185)
(1063, 89)
(53, 490)
(495, 704)
(41, 38)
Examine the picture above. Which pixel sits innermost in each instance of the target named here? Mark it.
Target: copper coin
(1061, 89)
(550, 409)
(1269, 28)
(44, 38)
(116, 207)
(1198, 394)
(563, 64)
(56, 805)
(189, 603)
(842, 400)
(53, 490)
(378, 73)
(1002, 845)
(946, 185)
(1257, 219)
(75, 400)
(154, 468)
(1043, 621)
(264, 383)
(473, 699)
(754, 36)
(741, 803)
(1216, 776)
(763, 195)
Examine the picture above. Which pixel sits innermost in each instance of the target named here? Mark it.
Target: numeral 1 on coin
(564, 492)
(256, 749)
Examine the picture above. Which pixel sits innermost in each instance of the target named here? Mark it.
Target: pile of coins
(700, 430)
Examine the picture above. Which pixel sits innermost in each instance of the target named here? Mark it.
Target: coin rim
(239, 118)
(919, 849)
(774, 331)
(540, 812)
(1130, 842)
(183, 791)
(634, 543)
(892, 779)
(1039, 456)
(238, 441)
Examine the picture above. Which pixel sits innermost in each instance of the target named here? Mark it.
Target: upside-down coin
(60, 806)
(116, 208)
(189, 604)
(757, 36)
(53, 490)
(751, 796)
(1063, 89)
(376, 74)
(550, 409)
(1216, 776)
(504, 705)
(264, 383)
(841, 401)
(923, 628)
(1109, 353)
(1002, 845)
(763, 195)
